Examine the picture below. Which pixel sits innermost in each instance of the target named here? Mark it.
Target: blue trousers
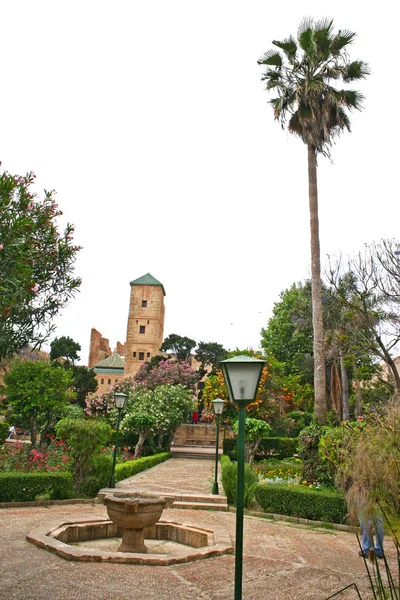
(368, 527)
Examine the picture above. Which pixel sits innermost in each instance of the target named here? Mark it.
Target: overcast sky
(150, 121)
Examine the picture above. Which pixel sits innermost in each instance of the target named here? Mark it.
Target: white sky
(151, 122)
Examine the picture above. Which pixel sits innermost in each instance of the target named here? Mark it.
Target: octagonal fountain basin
(98, 540)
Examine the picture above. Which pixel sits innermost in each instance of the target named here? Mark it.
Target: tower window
(109, 382)
(134, 354)
(102, 381)
(141, 355)
(142, 329)
(144, 303)
(148, 355)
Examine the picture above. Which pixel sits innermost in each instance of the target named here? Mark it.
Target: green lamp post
(120, 402)
(218, 407)
(242, 376)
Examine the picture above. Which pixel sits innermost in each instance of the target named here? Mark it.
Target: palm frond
(271, 58)
(357, 69)
(289, 47)
(352, 99)
(323, 36)
(306, 36)
(342, 39)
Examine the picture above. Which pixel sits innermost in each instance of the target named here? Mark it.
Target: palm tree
(314, 110)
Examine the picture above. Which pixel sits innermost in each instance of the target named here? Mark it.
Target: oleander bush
(24, 487)
(304, 502)
(277, 447)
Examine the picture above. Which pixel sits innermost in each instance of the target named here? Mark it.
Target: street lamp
(218, 407)
(120, 401)
(242, 376)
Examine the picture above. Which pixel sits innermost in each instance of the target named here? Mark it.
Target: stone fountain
(132, 513)
(134, 516)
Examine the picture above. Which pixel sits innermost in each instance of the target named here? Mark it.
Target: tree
(36, 264)
(84, 383)
(289, 336)
(367, 289)
(157, 413)
(65, 347)
(317, 114)
(178, 345)
(256, 430)
(37, 393)
(210, 354)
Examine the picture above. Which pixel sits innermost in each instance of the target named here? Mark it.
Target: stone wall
(99, 348)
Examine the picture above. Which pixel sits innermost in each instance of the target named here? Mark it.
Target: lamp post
(120, 401)
(218, 407)
(242, 376)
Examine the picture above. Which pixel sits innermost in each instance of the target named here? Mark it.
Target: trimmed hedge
(132, 467)
(277, 447)
(24, 487)
(4, 429)
(302, 502)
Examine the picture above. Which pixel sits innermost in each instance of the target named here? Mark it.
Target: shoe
(363, 554)
(379, 556)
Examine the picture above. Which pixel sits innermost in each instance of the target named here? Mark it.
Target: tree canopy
(180, 346)
(64, 347)
(36, 264)
(37, 392)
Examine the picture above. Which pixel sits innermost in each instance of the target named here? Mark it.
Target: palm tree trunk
(316, 291)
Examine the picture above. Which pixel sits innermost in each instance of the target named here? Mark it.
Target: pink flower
(35, 288)
(1, 246)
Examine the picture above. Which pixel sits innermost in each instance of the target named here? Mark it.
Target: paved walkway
(281, 561)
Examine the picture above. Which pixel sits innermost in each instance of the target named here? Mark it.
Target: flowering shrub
(168, 372)
(21, 457)
(103, 405)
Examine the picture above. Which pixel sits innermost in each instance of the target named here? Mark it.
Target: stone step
(200, 505)
(192, 455)
(202, 498)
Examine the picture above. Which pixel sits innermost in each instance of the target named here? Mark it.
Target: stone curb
(39, 503)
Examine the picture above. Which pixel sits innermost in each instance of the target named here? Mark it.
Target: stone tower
(145, 329)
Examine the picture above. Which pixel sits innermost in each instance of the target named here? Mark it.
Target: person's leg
(367, 541)
(378, 524)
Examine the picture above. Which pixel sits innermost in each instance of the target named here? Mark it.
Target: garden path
(282, 561)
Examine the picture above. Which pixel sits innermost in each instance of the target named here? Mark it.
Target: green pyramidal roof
(148, 279)
(112, 362)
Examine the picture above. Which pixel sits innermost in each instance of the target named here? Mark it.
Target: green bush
(24, 487)
(229, 481)
(4, 428)
(315, 467)
(99, 476)
(85, 438)
(277, 447)
(302, 502)
(132, 467)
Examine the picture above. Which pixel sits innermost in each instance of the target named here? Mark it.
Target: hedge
(277, 447)
(302, 502)
(24, 487)
(132, 467)
(4, 430)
